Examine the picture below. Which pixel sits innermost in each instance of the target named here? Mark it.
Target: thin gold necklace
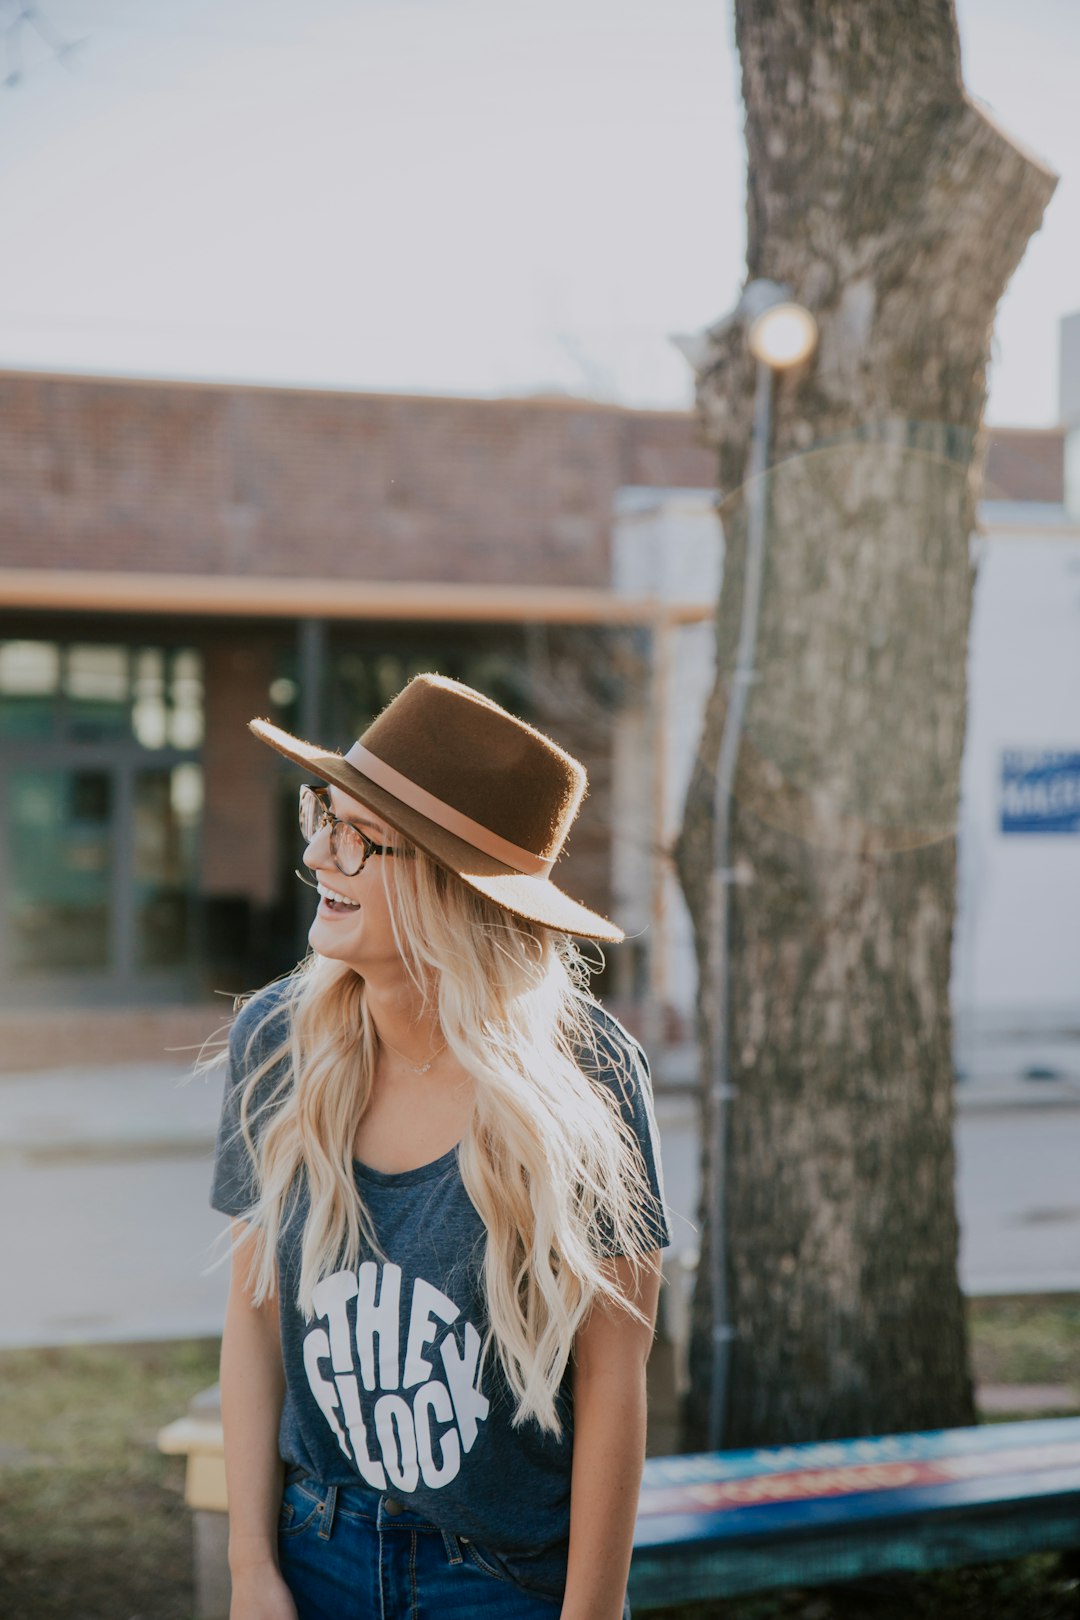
(417, 1068)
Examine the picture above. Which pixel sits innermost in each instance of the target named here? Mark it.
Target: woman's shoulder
(620, 1065)
(261, 1024)
(259, 1028)
(611, 1053)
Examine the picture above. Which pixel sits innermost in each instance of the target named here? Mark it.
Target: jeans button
(393, 1506)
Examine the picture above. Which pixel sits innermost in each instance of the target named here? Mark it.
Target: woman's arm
(610, 1353)
(252, 1389)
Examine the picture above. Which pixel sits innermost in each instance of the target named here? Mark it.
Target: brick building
(175, 559)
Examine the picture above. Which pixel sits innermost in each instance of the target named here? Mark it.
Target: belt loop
(329, 1507)
(453, 1551)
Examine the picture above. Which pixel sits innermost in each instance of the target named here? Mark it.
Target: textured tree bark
(896, 211)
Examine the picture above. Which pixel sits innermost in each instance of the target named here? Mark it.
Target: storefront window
(361, 684)
(59, 870)
(29, 685)
(149, 710)
(168, 808)
(185, 700)
(97, 687)
(99, 841)
(97, 692)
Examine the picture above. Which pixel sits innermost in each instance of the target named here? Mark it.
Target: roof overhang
(70, 590)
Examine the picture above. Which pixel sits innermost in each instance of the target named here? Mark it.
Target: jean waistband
(359, 1497)
(545, 1575)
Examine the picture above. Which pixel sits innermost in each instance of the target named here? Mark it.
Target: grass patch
(92, 1518)
(1033, 1340)
(93, 1524)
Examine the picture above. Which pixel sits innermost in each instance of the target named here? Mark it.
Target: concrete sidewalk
(106, 1178)
(131, 1108)
(162, 1108)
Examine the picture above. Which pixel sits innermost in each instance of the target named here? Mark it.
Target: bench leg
(212, 1588)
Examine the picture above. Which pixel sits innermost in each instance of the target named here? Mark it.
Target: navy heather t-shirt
(384, 1386)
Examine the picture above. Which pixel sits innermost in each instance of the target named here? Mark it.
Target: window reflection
(29, 684)
(149, 716)
(360, 684)
(60, 868)
(68, 905)
(186, 717)
(168, 809)
(96, 692)
(97, 687)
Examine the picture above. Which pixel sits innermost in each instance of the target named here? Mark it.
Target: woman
(439, 1156)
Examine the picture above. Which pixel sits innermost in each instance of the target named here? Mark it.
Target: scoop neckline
(403, 1178)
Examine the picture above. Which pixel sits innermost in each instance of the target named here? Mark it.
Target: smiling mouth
(336, 902)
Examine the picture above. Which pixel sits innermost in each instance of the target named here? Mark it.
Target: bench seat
(712, 1525)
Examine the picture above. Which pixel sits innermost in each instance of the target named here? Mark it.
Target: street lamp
(779, 333)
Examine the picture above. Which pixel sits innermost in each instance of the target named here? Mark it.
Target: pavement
(106, 1172)
(160, 1108)
(104, 1205)
(146, 1109)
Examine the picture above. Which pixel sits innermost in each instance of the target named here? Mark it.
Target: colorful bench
(717, 1524)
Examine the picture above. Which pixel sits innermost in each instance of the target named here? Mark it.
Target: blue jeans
(351, 1553)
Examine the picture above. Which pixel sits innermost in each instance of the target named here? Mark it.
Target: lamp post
(779, 333)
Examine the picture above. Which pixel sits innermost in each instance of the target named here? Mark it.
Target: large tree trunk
(896, 211)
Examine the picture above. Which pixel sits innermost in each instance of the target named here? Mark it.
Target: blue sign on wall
(1040, 791)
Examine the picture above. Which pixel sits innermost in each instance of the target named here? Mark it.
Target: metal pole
(311, 670)
(720, 1091)
(660, 707)
(311, 661)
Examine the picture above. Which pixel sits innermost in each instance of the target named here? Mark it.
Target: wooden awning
(69, 590)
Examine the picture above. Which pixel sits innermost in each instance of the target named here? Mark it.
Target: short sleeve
(624, 1069)
(233, 1185)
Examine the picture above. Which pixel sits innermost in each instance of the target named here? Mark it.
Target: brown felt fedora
(484, 794)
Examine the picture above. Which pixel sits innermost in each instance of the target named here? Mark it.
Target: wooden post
(198, 1437)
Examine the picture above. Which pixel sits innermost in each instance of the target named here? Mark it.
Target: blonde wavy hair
(549, 1162)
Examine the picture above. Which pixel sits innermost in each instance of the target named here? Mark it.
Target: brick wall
(93, 1035)
(180, 477)
(171, 477)
(239, 828)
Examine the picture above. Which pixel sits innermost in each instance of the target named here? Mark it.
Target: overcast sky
(458, 196)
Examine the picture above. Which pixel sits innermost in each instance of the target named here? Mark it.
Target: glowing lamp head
(783, 335)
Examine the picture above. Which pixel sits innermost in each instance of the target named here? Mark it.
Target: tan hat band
(444, 815)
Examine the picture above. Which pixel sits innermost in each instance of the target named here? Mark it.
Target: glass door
(60, 865)
(100, 812)
(166, 813)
